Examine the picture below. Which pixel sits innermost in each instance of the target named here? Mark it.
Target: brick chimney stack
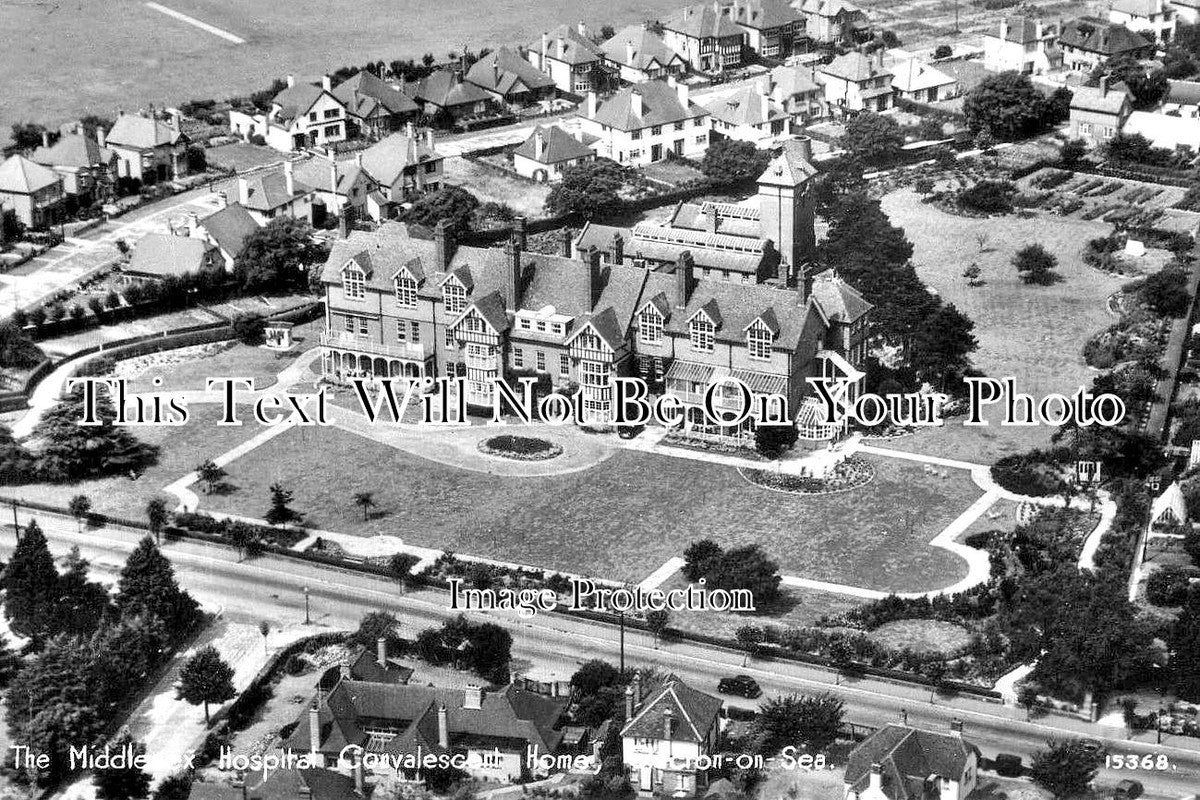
(443, 727)
(443, 239)
(618, 248)
(683, 279)
(567, 242)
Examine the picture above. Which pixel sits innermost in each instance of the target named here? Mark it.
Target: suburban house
(799, 91)
(161, 255)
(1099, 113)
(339, 185)
(748, 114)
(856, 82)
(290, 783)
(639, 54)
(569, 56)
(902, 763)
(302, 115)
(87, 167)
(706, 36)
(373, 108)
(1165, 131)
(148, 149)
(665, 734)
(398, 305)
(547, 152)
(1182, 99)
(1021, 44)
(834, 21)
(913, 79)
(445, 93)
(401, 167)
(376, 666)
(1087, 42)
(771, 26)
(642, 123)
(511, 79)
(276, 193)
(226, 230)
(1186, 11)
(1156, 19)
(33, 193)
(492, 730)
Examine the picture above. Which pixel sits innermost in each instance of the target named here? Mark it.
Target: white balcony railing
(357, 344)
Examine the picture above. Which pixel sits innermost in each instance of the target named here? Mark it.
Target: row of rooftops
(1090, 34)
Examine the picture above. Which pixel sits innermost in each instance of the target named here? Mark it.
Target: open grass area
(922, 635)
(620, 519)
(1033, 333)
(799, 608)
(526, 198)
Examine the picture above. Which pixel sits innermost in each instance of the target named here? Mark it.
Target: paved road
(273, 588)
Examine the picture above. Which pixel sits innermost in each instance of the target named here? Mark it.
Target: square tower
(785, 207)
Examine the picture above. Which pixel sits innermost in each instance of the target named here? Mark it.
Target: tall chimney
(289, 180)
(628, 703)
(590, 105)
(333, 177)
(359, 779)
(443, 239)
(668, 723)
(802, 146)
(443, 727)
(618, 248)
(876, 780)
(243, 191)
(344, 670)
(410, 130)
(682, 92)
(222, 200)
(314, 727)
(291, 81)
(1003, 29)
(102, 137)
(956, 727)
(512, 271)
(567, 242)
(545, 49)
(381, 648)
(581, 29)
(327, 83)
(637, 688)
(711, 219)
(595, 275)
(635, 102)
(473, 698)
(45, 138)
(429, 138)
(519, 223)
(1104, 81)
(683, 279)
(539, 144)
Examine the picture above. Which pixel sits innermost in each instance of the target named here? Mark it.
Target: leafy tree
(594, 675)
(157, 516)
(700, 557)
(942, 349)
(248, 328)
(798, 720)
(591, 189)
(30, 583)
(598, 689)
(988, 197)
(206, 678)
(1064, 768)
(1072, 152)
(873, 138)
(607, 32)
(1185, 641)
(17, 350)
(401, 566)
(65, 451)
(1006, 105)
(79, 506)
(147, 586)
(451, 203)
(281, 512)
(657, 621)
(275, 257)
(28, 135)
(210, 474)
(126, 782)
(365, 501)
(943, 51)
(1036, 265)
(750, 638)
(80, 603)
(15, 461)
(375, 625)
(972, 273)
(488, 652)
(747, 567)
(772, 441)
(1166, 292)
(245, 537)
(732, 160)
(1058, 107)
(1148, 87)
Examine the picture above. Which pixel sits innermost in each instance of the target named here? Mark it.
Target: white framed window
(650, 326)
(454, 298)
(541, 360)
(357, 326)
(401, 331)
(701, 334)
(416, 333)
(354, 285)
(589, 341)
(518, 357)
(564, 365)
(524, 323)
(593, 373)
(450, 340)
(406, 291)
(556, 328)
(759, 341)
(541, 326)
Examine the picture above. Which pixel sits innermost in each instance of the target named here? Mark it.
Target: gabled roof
(913, 75)
(789, 169)
(20, 175)
(908, 756)
(693, 713)
(364, 666)
(295, 101)
(838, 300)
(831, 8)
(163, 254)
(230, 227)
(491, 308)
(1138, 8)
(558, 146)
(795, 80)
(1097, 36)
(702, 21)
(292, 784)
(854, 67)
(75, 151)
(1116, 100)
(387, 159)
(505, 72)
(565, 43)
(746, 106)
(267, 191)
(444, 88)
(143, 133)
(364, 94)
(316, 172)
(1019, 29)
(1184, 93)
(648, 48)
(763, 14)
(660, 106)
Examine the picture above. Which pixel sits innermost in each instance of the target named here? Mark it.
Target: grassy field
(1033, 333)
(620, 519)
(922, 635)
(528, 199)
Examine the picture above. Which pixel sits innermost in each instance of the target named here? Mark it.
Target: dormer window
(701, 333)
(406, 291)
(650, 326)
(454, 297)
(354, 282)
(759, 340)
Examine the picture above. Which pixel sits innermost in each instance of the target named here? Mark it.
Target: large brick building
(402, 306)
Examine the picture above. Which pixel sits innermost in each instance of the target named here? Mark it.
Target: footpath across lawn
(620, 519)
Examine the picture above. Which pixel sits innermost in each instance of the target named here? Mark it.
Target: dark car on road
(1128, 790)
(743, 685)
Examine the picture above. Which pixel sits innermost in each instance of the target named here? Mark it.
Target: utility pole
(307, 621)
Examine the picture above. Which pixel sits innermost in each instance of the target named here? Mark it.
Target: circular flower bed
(520, 448)
(850, 474)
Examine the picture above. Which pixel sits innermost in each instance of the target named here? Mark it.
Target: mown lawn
(620, 519)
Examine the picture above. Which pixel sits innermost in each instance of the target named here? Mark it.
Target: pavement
(273, 589)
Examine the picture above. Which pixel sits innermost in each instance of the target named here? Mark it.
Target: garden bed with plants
(520, 448)
(852, 473)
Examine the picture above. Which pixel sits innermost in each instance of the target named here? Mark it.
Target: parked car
(743, 685)
(1128, 790)
(629, 431)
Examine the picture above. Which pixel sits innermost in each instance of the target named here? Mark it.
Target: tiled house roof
(294, 784)
(294, 101)
(446, 89)
(701, 21)
(75, 151)
(162, 254)
(746, 106)
(660, 105)
(692, 713)
(1090, 98)
(764, 14)
(566, 44)
(908, 756)
(1097, 36)
(558, 146)
(855, 67)
(505, 72)
(648, 48)
(387, 159)
(268, 191)
(364, 94)
(20, 175)
(143, 133)
(230, 227)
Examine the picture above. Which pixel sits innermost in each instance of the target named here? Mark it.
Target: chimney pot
(876, 779)
(243, 191)
(102, 137)
(567, 242)
(289, 179)
(326, 83)
(629, 704)
(291, 81)
(443, 727)
(683, 279)
(443, 239)
(473, 699)
(314, 727)
(381, 651)
(222, 200)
